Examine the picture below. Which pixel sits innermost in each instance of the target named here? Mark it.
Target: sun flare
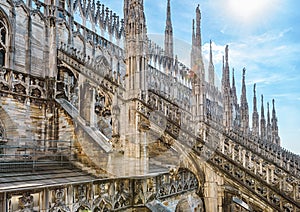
(248, 10)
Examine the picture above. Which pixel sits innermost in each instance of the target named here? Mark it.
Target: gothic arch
(69, 69)
(5, 38)
(188, 161)
(7, 125)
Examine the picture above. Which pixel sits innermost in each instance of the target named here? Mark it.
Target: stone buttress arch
(188, 161)
(8, 125)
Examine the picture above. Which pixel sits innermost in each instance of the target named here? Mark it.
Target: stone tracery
(3, 40)
(170, 95)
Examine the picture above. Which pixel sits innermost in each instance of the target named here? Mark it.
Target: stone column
(250, 159)
(267, 174)
(87, 103)
(284, 184)
(272, 168)
(244, 157)
(211, 190)
(295, 190)
(44, 201)
(255, 167)
(3, 201)
(93, 121)
(68, 197)
(211, 198)
(288, 165)
(52, 36)
(260, 166)
(222, 143)
(221, 197)
(240, 153)
(231, 149)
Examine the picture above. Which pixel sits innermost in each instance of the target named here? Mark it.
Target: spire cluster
(236, 116)
(209, 100)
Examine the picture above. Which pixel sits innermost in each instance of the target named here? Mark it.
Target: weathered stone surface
(143, 130)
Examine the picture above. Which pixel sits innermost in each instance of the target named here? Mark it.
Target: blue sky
(263, 36)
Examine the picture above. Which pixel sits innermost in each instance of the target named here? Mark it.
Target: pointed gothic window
(3, 41)
(2, 132)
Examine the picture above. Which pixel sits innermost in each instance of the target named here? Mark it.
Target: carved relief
(139, 198)
(26, 202)
(113, 195)
(82, 200)
(175, 183)
(59, 205)
(103, 110)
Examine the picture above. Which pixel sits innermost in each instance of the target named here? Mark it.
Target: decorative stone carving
(139, 198)
(60, 205)
(175, 183)
(112, 196)
(82, 199)
(26, 202)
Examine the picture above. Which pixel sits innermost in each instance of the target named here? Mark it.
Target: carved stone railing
(166, 109)
(167, 65)
(276, 198)
(23, 86)
(276, 186)
(90, 69)
(169, 88)
(109, 194)
(288, 161)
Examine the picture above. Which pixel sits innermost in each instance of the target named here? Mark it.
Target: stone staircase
(94, 133)
(90, 146)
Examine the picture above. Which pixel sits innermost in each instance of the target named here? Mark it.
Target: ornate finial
(244, 72)
(168, 12)
(198, 9)
(273, 111)
(98, 5)
(210, 51)
(169, 33)
(254, 89)
(226, 53)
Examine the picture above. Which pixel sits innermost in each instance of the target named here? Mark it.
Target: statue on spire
(244, 107)
(169, 34)
(255, 122)
(211, 68)
(262, 120)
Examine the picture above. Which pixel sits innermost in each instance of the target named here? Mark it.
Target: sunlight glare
(248, 10)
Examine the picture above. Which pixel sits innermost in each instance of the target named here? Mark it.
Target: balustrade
(22, 85)
(105, 194)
